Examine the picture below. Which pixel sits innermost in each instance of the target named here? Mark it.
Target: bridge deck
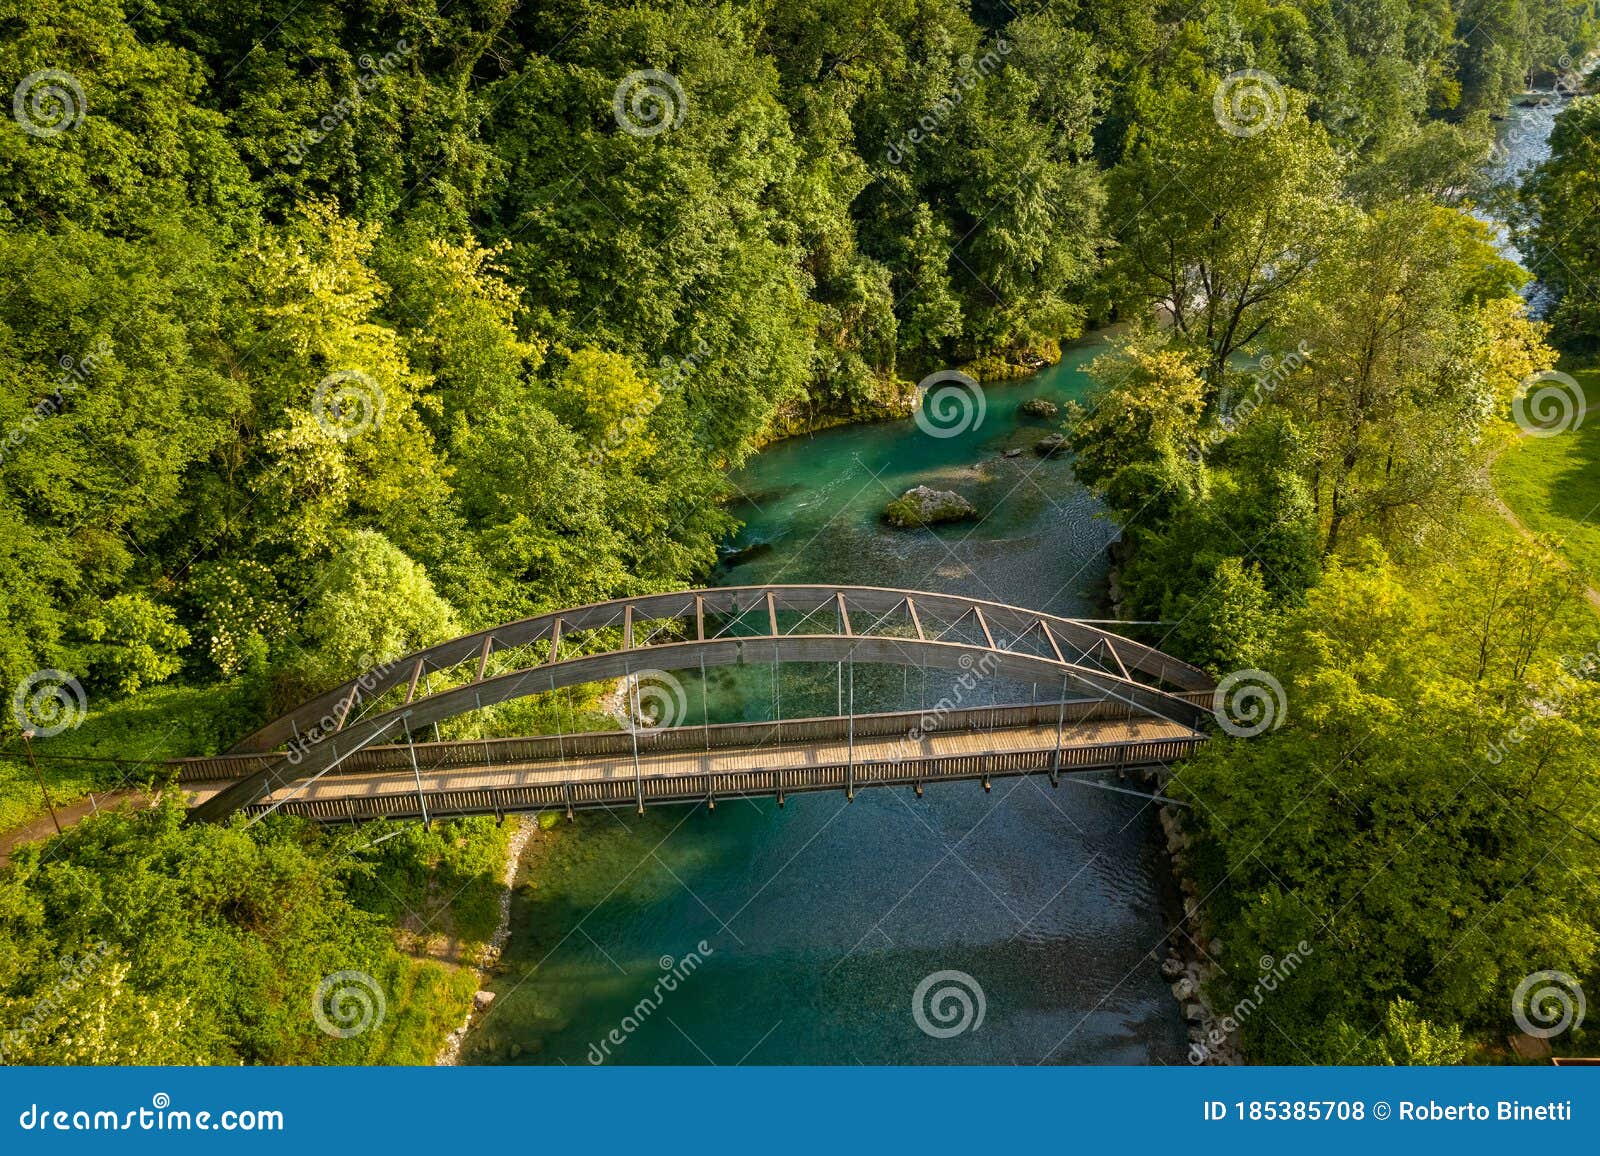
(678, 776)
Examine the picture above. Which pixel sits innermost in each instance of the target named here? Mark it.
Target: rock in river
(1050, 446)
(1039, 407)
(925, 506)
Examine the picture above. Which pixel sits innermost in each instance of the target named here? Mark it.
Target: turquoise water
(819, 920)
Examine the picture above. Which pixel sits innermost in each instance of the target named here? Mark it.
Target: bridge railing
(571, 795)
(463, 754)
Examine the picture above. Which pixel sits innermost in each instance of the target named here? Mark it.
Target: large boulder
(1039, 407)
(926, 506)
(1049, 447)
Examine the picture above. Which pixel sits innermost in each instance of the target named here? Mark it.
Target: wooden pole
(27, 745)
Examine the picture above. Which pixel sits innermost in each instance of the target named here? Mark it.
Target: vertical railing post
(850, 766)
(633, 730)
(422, 803)
(1061, 718)
(705, 706)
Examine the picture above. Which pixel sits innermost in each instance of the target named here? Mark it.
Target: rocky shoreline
(1190, 966)
(1192, 950)
(450, 1054)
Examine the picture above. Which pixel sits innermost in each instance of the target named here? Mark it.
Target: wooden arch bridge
(353, 753)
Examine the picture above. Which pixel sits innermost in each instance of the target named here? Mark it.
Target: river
(1522, 140)
(821, 918)
(799, 935)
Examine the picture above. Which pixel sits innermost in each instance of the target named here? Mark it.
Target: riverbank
(528, 826)
(806, 968)
(902, 401)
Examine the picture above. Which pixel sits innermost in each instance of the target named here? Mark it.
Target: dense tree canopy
(331, 330)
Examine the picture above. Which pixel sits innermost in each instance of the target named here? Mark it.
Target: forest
(330, 331)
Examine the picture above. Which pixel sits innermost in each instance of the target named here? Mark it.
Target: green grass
(1553, 483)
(124, 742)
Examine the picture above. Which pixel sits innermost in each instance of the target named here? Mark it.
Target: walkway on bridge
(352, 751)
(962, 750)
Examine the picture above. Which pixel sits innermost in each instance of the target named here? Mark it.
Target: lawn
(1553, 483)
(117, 744)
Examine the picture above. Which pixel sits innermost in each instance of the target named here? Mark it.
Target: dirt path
(42, 827)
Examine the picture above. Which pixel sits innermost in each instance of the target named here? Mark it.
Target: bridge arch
(868, 625)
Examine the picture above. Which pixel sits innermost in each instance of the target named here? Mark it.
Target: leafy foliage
(1409, 820)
